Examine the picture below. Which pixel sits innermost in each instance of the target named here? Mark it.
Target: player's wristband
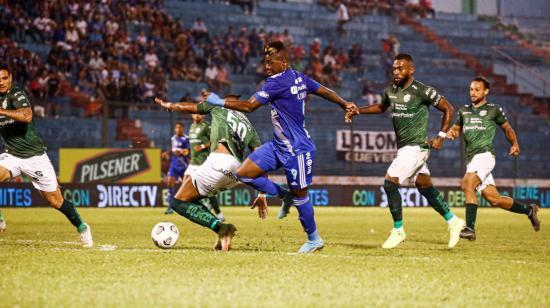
(214, 99)
(442, 134)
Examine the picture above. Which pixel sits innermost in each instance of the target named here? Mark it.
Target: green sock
(520, 208)
(215, 205)
(198, 214)
(471, 214)
(68, 209)
(436, 200)
(394, 202)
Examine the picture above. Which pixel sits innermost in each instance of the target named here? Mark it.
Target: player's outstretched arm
(232, 102)
(184, 107)
(332, 96)
(512, 138)
(19, 115)
(448, 115)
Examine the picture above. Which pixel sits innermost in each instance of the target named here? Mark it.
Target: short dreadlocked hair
(273, 48)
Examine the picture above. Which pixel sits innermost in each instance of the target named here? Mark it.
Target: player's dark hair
(179, 123)
(5, 67)
(273, 48)
(404, 56)
(483, 80)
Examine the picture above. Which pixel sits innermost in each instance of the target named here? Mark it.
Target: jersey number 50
(236, 126)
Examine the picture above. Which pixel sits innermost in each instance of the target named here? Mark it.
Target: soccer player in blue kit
(178, 162)
(291, 147)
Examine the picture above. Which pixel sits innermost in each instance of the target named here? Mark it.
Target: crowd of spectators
(127, 50)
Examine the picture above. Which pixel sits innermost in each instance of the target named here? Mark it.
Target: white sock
(399, 229)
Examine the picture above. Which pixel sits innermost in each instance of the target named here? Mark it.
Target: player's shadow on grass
(358, 246)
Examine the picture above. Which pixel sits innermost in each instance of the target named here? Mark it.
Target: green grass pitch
(42, 265)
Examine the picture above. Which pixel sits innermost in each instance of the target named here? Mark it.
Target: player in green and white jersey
(478, 121)
(231, 135)
(410, 100)
(26, 154)
(199, 141)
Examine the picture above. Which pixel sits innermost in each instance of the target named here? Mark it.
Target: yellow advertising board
(109, 165)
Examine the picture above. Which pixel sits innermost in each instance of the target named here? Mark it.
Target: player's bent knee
(5, 174)
(54, 199)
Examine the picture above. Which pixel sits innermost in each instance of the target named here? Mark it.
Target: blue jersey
(287, 92)
(179, 143)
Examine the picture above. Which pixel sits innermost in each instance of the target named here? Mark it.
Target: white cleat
(86, 237)
(2, 225)
(455, 227)
(396, 237)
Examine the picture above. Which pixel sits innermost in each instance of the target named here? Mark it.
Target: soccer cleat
(396, 237)
(312, 246)
(86, 237)
(169, 211)
(468, 233)
(455, 226)
(226, 233)
(2, 225)
(535, 222)
(221, 217)
(285, 206)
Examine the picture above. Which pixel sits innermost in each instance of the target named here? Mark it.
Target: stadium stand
(449, 51)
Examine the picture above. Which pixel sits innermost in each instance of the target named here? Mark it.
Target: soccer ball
(165, 235)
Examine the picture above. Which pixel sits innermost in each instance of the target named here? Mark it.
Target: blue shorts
(298, 168)
(176, 171)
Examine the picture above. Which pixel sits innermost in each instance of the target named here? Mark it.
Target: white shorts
(409, 163)
(38, 168)
(216, 174)
(191, 169)
(482, 164)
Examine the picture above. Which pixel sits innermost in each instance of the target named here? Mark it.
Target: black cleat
(468, 233)
(535, 222)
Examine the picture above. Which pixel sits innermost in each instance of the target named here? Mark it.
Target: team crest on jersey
(407, 98)
(263, 94)
(483, 113)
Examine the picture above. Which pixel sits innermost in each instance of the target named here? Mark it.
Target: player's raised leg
(186, 204)
(491, 194)
(438, 203)
(253, 172)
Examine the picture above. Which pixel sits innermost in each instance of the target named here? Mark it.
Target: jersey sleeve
(269, 91)
(500, 117)
(174, 144)
(312, 85)
(205, 107)
(20, 99)
(430, 96)
(207, 132)
(459, 119)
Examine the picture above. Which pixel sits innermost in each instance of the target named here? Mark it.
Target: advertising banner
(109, 165)
(155, 195)
(365, 146)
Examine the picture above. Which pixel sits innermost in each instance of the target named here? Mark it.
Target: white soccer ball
(165, 234)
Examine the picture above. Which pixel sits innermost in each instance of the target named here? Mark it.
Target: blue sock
(171, 194)
(263, 184)
(307, 217)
